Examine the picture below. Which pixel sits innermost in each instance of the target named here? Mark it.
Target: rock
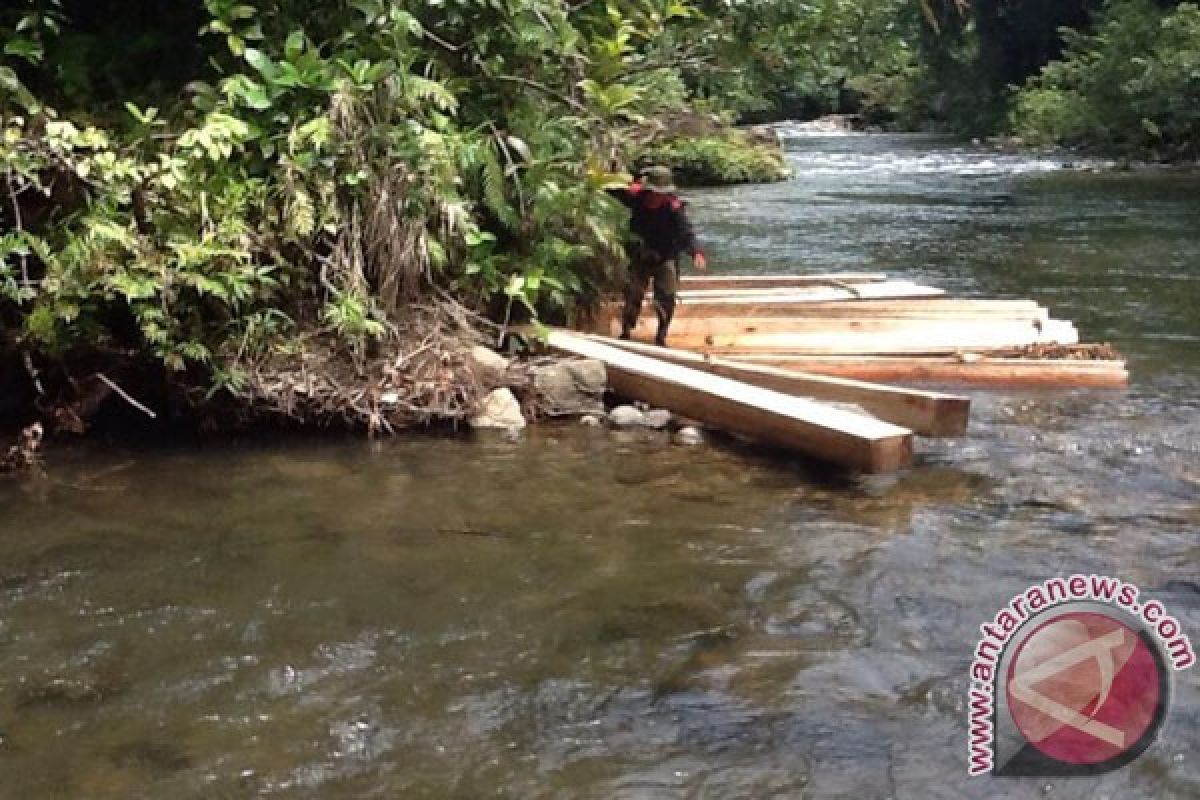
(589, 421)
(488, 366)
(762, 134)
(571, 387)
(23, 454)
(499, 409)
(625, 417)
(833, 123)
(658, 419)
(688, 436)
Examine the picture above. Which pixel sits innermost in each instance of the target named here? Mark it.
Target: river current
(587, 614)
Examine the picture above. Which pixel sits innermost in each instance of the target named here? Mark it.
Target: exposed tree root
(419, 376)
(24, 454)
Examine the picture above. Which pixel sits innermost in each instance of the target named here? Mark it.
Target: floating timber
(775, 418)
(1027, 331)
(967, 369)
(932, 308)
(815, 294)
(926, 413)
(938, 338)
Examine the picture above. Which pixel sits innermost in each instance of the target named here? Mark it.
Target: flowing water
(586, 614)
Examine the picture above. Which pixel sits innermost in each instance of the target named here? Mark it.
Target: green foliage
(972, 53)
(809, 57)
(337, 160)
(717, 160)
(175, 287)
(1131, 86)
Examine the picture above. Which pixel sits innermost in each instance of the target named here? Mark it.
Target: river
(581, 613)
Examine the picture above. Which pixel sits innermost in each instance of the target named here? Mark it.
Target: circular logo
(1085, 688)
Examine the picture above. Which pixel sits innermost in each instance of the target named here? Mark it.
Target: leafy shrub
(717, 160)
(1131, 86)
(336, 162)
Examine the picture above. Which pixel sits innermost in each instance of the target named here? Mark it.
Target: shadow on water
(587, 614)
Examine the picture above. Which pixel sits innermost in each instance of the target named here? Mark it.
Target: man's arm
(687, 236)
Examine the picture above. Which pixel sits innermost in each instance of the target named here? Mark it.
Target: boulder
(571, 387)
(499, 409)
(488, 366)
(688, 436)
(658, 419)
(625, 417)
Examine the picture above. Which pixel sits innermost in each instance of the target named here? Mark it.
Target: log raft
(866, 326)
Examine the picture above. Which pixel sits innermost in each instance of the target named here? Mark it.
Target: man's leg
(666, 287)
(635, 290)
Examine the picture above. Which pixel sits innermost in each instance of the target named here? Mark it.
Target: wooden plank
(606, 320)
(967, 370)
(914, 308)
(686, 327)
(938, 338)
(772, 417)
(926, 413)
(777, 281)
(866, 291)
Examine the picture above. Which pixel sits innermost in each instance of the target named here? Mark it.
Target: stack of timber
(777, 418)
(863, 325)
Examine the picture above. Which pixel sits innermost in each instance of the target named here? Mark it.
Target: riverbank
(170, 294)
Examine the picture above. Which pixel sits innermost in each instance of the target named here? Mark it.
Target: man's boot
(629, 317)
(664, 308)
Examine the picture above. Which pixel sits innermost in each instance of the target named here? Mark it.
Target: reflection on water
(581, 614)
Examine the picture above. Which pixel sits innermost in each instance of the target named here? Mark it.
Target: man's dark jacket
(664, 228)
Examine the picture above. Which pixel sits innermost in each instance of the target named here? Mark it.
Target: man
(660, 233)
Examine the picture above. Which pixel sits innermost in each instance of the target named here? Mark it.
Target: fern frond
(495, 199)
(418, 89)
(301, 215)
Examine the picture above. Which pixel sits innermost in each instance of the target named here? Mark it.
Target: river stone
(499, 409)
(571, 387)
(624, 417)
(658, 419)
(688, 436)
(487, 365)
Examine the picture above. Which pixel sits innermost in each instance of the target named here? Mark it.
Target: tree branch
(544, 89)
(126, 396)
(20, 227)
(690, 61)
